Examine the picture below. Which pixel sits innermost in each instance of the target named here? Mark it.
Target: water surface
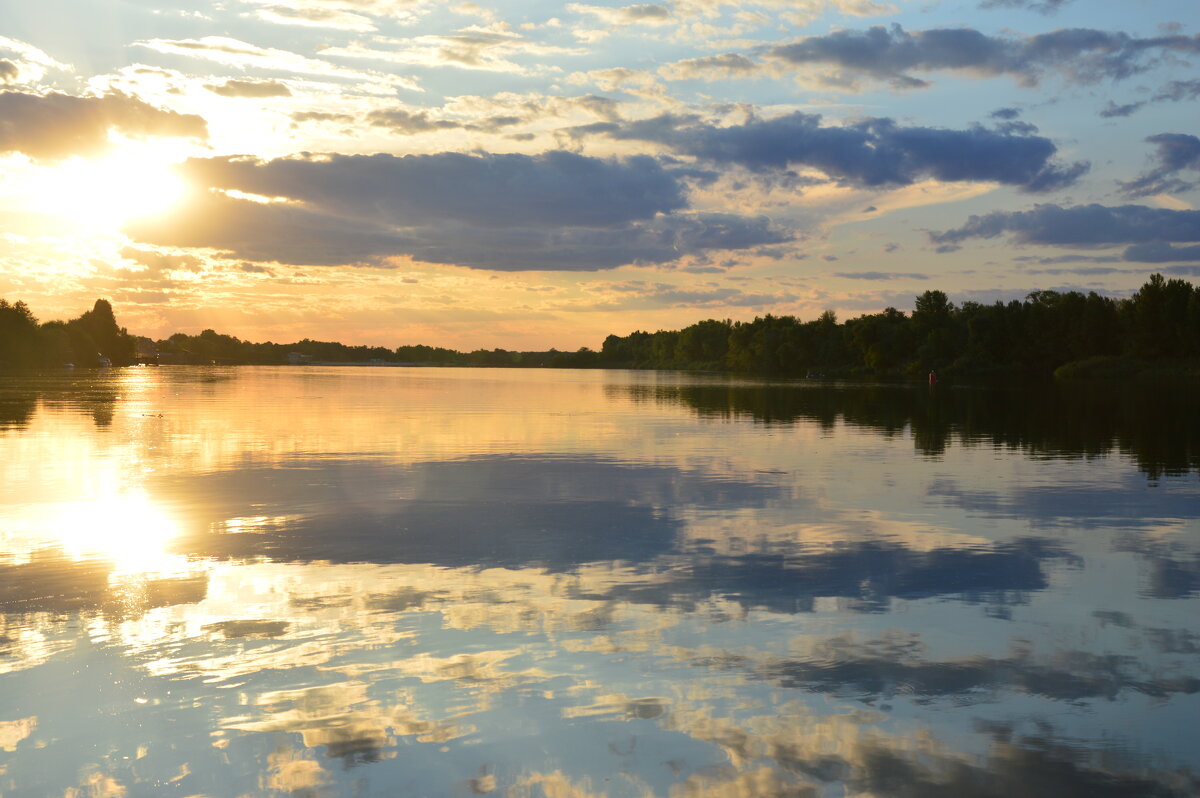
(441, 582)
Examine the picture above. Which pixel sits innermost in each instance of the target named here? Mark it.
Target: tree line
(1067, 333)
(83, 341)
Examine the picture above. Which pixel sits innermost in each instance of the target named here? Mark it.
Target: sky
(533, 175)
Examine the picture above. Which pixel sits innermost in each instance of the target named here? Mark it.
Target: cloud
(640, 295)
(711, 67)
(645, 14)
(636, 82)
(1175, 91)
(1159, 252)
(1079, 55)
(55, 126)
(316, 18)
(871, 153)
(234, 52)
(1040, 6)
(1081, 225)
(476, 47)
(352, 15)
(557, 211)
(1113, 110)
(402, 121)
(881, 276)
(27, 63)
(250, 88)
(1175, 153)
(473, 113)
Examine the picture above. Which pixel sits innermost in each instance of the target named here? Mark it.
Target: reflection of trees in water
(16, 411)
(1157, 427)
(21, 398)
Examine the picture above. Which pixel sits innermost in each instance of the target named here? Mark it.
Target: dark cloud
(1179, 91)
(55, 126)
(1113, 110)
(1018, 128)
(250, 88)
(1160, 252)
(1080, 55)
(555, 189)
(1175, 91)
(510, 212)
(1040, 6)
(874, 152)
(1175, 153)
(9, 72)
(1081, 225)
(1005, 113)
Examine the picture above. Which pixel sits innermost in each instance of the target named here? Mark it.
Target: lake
(316, 581)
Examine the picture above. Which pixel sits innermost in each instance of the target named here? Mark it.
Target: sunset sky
(528, 175)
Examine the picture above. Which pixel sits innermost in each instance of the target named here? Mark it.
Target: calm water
(443, 582)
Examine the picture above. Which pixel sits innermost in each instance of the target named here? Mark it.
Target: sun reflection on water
(128, 530)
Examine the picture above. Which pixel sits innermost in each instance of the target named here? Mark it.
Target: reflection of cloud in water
(1174, 565)
(850, 754)
(343, 720)
(850, 669)
(1134, 507)
(13, 732)
(560, 513)
(1174, 578)
(870, 573)
(489, 511)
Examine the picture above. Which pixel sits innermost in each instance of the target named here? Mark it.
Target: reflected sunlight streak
(127, 530)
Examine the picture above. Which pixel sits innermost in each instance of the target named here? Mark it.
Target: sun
(108, 192)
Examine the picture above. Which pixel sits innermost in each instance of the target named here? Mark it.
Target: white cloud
(237, 53)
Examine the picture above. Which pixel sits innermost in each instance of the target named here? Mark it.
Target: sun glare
(111, 191)
(128, 530)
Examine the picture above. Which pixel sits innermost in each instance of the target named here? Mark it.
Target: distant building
(145, 351)
(298, 358)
